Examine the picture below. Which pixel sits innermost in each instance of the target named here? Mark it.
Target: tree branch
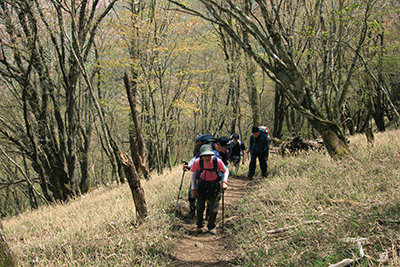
(26, 177)
(285, 229)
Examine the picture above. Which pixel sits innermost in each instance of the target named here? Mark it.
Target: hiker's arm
(250, 144)
(224, 184)
(193, 185)
(243, 149)
(189, 165)
(225, 176)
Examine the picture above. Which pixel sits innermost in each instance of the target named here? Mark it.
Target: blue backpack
(201, 140)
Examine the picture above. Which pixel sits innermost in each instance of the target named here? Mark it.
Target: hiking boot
(190, 215)
(192, 212)
(213, 231)
(199, 230)
(249, 178)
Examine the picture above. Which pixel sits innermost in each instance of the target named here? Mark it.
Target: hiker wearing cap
(209, 178)
(223, 145)
(191, 198)
(238, 150)
(259, 148)
(220, 150)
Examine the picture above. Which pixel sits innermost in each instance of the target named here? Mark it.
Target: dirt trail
(192, 249)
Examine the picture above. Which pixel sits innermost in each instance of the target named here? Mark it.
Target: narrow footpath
(192, 249)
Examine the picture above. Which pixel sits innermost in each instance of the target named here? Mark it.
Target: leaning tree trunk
(267, 30)
(334, 139)
(134, 184)
(6, 256)
(139, 153)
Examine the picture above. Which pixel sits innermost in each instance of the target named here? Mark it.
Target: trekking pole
(180, 187)
(223, 209)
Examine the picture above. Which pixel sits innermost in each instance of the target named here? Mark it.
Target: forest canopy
(319, 68)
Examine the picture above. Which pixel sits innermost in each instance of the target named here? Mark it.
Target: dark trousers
(192, 201)
(235, 160)
(213, 206)
(252, 166)
(190, 195)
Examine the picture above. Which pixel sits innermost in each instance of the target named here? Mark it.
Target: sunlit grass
(97, 228)
(326, 205)
(326, 201)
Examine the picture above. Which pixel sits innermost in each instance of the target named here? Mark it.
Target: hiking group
(209, 170)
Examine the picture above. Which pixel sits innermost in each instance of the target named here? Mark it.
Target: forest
(82, 80)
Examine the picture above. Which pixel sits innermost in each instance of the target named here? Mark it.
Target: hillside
(310, 211)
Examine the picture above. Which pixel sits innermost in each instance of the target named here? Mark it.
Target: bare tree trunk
(134, 184)
(278, 60)
(139, 139)
(232, 55)
(279, 114)
(6, 256)
(379, 108)
(84, 139)
(251, 85)
(252, 90)
(178, 156)
(381, 88)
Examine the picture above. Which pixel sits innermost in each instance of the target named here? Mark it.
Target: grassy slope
(355, 198)
(328, 203)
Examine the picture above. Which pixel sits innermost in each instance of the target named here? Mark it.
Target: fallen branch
(284, 229)
(348, 262)
(296, 144)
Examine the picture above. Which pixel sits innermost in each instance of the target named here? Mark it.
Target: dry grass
(325, 204)
(97, 229)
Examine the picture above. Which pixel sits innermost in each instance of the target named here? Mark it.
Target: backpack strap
(215, 163)
(219, 174)
(215, 167)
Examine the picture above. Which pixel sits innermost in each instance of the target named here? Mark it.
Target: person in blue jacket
(258, 148)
